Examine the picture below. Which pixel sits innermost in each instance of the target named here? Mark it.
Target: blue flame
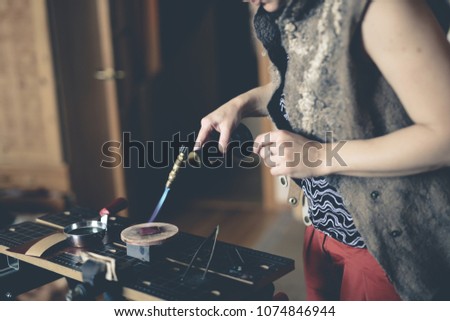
(160, 204)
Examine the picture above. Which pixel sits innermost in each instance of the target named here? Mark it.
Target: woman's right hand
(222, 120)
(228, 116)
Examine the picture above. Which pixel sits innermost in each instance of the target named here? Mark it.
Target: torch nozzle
(176, 167)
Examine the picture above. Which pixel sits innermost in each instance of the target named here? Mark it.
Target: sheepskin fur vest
(331, 85)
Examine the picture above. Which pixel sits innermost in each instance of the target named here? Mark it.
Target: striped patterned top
(328, 213)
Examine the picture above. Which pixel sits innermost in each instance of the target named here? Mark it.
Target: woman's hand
(290, 154)
(226, 118)
(223, 120)
(269, 5)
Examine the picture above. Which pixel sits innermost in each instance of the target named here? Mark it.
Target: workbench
(235, 272)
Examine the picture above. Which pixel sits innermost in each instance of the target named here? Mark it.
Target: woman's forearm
(253, 103)
(411, 150)
(415, 60)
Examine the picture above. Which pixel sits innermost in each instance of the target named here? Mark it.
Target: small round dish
(147, 234)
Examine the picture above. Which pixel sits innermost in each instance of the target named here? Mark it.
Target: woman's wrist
(329, 160)
(253, 102)
(240, 105)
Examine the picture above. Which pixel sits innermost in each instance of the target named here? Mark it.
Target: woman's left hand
(290, 154)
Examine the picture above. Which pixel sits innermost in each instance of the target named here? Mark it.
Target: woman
(376, 75)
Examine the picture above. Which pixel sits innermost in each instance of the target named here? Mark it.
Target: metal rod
(212, 251)
(239, 255)
(213, 234)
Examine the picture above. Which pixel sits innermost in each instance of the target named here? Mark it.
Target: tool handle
(114, 207)
(176, 167)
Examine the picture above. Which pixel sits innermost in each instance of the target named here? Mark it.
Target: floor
(285, 238)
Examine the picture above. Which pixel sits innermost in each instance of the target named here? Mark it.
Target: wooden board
(30, 144)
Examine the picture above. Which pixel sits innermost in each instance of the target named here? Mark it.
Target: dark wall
(207, 58)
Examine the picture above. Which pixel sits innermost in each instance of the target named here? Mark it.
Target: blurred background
(75, 74)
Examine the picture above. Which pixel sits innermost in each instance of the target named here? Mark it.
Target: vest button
(375, 195)
(395, 233)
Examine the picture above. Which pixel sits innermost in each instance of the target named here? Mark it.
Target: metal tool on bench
(88, 233)
(213, 237)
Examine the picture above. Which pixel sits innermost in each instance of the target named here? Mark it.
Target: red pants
(335, 271)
